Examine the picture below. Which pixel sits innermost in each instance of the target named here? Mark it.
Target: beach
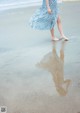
(36, 74)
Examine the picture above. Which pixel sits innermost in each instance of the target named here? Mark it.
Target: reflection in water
(55, 65)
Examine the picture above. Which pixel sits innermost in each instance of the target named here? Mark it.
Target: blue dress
(41, 19)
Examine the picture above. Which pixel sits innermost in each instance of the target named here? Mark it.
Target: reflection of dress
(41, 19)
(55, 65)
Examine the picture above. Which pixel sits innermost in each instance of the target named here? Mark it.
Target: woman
(46, 17)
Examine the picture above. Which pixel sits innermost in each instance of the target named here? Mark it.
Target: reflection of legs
(67, 82)
(54, 49)
(52, 35)
(59, 24)
(57, 70)
(62, 51)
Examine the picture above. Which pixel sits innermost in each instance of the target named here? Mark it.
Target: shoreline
(20, 6)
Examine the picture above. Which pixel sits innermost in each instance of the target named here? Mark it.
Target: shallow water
(12, 4)
(36, 74)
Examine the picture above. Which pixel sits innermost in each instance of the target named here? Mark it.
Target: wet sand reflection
(55, 65)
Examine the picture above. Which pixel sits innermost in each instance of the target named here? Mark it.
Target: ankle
(62, 35)
(53, 37)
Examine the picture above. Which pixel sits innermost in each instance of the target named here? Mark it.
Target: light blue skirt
(41, 19)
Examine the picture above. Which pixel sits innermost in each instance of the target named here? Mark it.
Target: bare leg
(52, 35)
(59, 24)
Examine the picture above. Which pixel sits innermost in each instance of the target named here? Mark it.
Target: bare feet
(54, 39)
(64, 37)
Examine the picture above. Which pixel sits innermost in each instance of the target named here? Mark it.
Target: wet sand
(36, 74)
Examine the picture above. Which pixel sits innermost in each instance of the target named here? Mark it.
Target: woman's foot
(55, 39)
(64, 37)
